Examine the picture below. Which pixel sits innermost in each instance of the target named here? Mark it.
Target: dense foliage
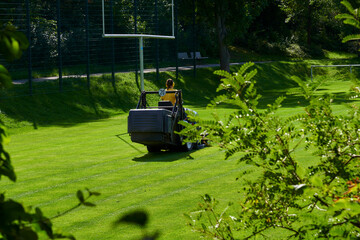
(351, 18)
(293, 28)
(302, 196)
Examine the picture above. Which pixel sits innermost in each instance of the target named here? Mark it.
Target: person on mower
(169, 96)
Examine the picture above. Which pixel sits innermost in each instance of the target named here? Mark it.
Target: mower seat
(165, 105)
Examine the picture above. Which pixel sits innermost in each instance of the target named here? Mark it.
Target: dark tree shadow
(77, 105)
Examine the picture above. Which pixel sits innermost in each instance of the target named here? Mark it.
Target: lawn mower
(155, 126)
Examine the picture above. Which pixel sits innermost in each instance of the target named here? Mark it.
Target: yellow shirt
(169, 96)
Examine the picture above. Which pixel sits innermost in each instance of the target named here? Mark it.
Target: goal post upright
(140, 37)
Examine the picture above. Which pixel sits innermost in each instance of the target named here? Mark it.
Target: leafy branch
(286, 195)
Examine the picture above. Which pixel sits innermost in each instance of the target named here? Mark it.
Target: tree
(353, 19)
(300, 200)
(226, 19)
(305, 14)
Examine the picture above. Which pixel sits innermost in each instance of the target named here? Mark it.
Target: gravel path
(166, 69)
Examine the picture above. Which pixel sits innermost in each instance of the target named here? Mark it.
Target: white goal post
(140, 37)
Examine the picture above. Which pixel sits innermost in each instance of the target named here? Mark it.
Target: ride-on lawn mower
(155, 126)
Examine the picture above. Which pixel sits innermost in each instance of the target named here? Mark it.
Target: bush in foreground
(320, 199)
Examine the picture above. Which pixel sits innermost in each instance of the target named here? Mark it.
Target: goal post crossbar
(137, 36)
(140, 37)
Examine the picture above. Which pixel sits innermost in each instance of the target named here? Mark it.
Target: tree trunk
(221, 30)
(309, 24)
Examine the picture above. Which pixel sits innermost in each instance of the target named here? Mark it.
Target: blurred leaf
(12, 43)
(5, 78)
(316, 181)
(21, 39)
(187, 216)
(11, 211)
(299, 186)
(137, 217)
(207, 198)
(63, 236)
(6, 169)
(28, 234)
(203, 227)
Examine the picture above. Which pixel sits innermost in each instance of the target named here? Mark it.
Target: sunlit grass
(81, 141)
(338, 55)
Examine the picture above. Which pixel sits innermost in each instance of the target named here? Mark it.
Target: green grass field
(80, 141)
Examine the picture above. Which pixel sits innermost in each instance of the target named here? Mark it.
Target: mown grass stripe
(146, 202)
(100, 186)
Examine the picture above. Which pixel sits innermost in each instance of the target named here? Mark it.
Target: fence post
(112, 45)
(28, 22)
(136, 42)
(176, 39)
(59, 44)
(194, 37)
(157, 40)
(87, 44)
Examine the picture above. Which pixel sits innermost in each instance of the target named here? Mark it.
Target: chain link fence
(66, 41)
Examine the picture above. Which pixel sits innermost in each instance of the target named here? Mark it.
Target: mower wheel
(153, 149)
(188, 146)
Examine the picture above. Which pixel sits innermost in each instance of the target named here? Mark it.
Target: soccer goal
(137, 19)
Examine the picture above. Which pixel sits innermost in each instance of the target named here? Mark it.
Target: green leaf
(317, 181)
(203, 227)
(21, 39)
(207, 198)
(223, 73)
(187, 216)
(352, 22)
(344, 16)
(12, 43)
(352, 37)
(348, 7)
(245, 67)
(28, 234)
(63, 236)
(6, 169)
(13, 211)
(5, 78)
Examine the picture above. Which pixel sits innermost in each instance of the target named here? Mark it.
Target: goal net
(134, 18)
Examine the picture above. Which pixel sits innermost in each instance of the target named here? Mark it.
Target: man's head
(169, 83)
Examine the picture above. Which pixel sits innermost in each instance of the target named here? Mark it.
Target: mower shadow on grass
(164, 156)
